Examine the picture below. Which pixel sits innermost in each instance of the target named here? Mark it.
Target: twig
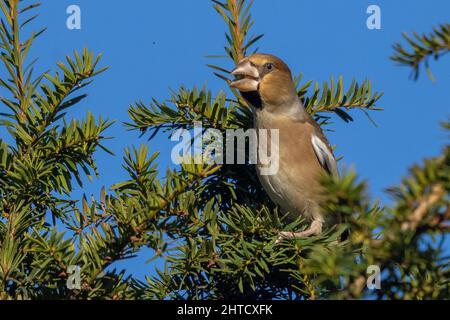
(418, 215)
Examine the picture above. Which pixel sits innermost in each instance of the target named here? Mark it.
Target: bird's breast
(294, 186)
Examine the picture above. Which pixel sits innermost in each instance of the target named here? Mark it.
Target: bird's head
(264, 79)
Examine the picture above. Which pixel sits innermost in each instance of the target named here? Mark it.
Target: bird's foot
(313, 230)
(291, 235)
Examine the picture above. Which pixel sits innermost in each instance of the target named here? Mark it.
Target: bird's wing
(322, 149)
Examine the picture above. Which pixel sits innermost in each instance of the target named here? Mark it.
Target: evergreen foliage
(213, 225)
(422, 48)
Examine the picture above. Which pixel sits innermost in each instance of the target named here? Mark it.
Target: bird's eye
(269, 66)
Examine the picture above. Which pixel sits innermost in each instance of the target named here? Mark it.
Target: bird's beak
(246, 77)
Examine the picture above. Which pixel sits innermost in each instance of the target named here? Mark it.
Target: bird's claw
(284, 235)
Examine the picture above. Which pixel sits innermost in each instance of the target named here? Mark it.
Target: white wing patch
(324, 155)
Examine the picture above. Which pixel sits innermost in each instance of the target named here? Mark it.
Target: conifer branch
(421, 48)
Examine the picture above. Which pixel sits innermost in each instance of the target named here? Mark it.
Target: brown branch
(236, 29)
(357, 286)
(418, 215)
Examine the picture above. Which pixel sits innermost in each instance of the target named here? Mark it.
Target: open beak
(246, 77)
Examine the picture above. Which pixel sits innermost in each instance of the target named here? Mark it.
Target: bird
(266, 83)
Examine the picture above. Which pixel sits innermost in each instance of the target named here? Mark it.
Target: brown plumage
(304, 152)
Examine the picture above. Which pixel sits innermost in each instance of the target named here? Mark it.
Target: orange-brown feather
(276, 88)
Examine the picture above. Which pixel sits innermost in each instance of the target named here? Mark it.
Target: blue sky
(151, 46)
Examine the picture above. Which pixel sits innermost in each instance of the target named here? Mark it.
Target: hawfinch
(265, 82)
